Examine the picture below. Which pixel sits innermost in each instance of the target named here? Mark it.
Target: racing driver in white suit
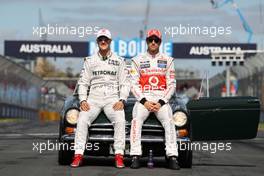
(104, 79)
(153, 84)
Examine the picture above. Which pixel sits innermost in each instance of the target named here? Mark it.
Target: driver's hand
(156, 107)
(118, 106)
(149, 105)
(84, 106)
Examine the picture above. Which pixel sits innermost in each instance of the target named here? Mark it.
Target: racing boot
(173, 163)
(135, 162)
(119, 161)
(77, 160)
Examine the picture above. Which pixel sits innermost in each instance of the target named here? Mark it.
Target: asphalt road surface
(19, 157)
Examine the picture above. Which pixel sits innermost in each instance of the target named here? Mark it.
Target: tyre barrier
(45, 115)
(8, 111)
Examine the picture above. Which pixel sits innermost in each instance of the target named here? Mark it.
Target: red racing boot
(119, 161)
(77, 160)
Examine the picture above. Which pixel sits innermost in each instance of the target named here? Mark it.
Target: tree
(45, 69)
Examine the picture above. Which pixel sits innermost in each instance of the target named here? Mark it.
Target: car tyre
(65, 157)
(185, 158)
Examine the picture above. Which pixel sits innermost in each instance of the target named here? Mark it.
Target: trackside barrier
(14, 111)
(21, 96)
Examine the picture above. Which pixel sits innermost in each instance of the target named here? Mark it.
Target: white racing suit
(106, 82)
(153, 78)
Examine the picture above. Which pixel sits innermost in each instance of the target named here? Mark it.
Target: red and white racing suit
(153, 78)
(105, 80)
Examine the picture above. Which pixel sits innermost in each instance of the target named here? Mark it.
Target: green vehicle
(205, 119)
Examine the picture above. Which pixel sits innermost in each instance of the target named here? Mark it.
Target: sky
(125, 18)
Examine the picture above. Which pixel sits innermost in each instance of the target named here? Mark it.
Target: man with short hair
(153, 84)
(104, 78)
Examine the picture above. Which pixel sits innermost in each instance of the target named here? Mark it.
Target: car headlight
(72, 116)
(179, 118)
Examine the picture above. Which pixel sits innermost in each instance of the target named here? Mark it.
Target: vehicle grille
(107, 129)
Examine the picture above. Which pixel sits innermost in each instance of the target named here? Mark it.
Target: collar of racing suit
(104, 57)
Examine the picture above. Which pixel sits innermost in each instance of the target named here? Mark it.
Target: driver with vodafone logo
(153, 84)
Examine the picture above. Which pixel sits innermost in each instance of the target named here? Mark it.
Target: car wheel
(166, 158)
(65, 156)
(185, 158)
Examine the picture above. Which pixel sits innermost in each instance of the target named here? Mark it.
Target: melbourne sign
(131, 48)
